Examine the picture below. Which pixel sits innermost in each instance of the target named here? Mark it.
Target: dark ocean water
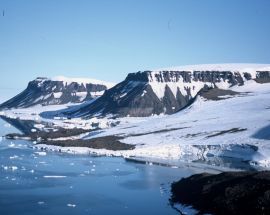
(53, 183)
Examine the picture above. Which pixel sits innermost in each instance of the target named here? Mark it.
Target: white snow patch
(144, 92)
(122, 95)
(83, 81)
(57, 95)
(97, 94)
(39, 126)
(82, 95)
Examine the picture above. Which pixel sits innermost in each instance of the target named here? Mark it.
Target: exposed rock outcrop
(225, 193)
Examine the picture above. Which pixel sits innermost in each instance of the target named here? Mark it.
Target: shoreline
(93, 141)
(170, 163)
(112, 146)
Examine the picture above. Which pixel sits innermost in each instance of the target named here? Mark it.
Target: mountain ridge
(141, 94)
(51, 91)
(148, 93)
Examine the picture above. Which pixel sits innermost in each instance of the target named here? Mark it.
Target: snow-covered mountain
(232, 131)
(169, 90)
(58, 90)
(226, 118)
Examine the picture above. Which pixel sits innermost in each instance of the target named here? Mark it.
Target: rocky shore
(225, 193)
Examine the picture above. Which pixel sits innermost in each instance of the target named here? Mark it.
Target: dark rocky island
(225, 193)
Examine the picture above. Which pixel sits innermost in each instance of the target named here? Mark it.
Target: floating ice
(41, 153)
(13, 168)
(13, 157)
(5, 167)
(42, 162)
(11, 145)
(54, 176)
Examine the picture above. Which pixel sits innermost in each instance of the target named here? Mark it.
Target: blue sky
(106, 39)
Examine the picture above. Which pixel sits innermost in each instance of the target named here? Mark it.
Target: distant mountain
(167, 91)
(59, 90)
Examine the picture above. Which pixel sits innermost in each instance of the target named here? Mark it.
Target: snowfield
(235, 127)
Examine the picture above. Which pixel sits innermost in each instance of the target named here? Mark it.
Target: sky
(107, 39)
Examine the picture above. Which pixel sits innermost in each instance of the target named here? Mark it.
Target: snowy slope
(236, 127)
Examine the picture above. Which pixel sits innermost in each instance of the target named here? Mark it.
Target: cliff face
(44, 91)
(141, 94)
(164, 92)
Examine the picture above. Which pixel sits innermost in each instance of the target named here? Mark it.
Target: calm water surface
(55, 183)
